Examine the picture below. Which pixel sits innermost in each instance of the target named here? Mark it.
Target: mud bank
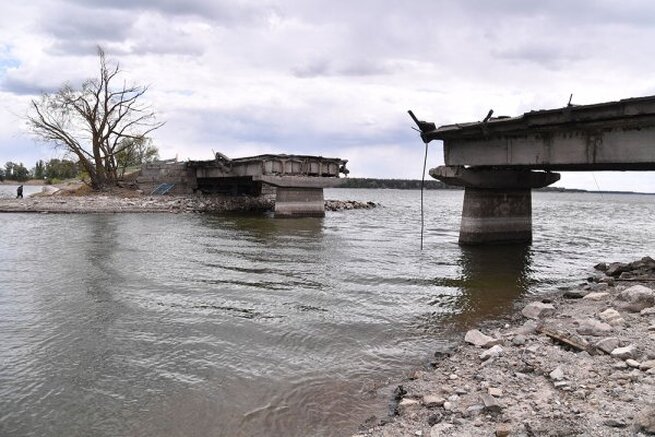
(578, 362)
(99, 203)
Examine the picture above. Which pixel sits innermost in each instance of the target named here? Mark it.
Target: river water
(171, 325)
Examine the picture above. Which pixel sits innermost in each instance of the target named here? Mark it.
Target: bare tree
(93, 122)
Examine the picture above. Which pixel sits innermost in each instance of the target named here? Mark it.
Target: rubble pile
(152, 204)
(643, 269)
(579, 362)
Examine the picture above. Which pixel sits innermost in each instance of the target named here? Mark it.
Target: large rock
(479, 339)
(608, 344)
(494, 352)
(576, 293)
(407, 404)
(636, 298)
(645, 420)
(432, 401)
(611, 317)
(538, 310)
(647, 365)
(596, 296)
(615, 269)
(643, 265)
(593, 327)
(557, 374)
(625, 353)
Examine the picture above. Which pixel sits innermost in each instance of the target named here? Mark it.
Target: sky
(329, 77)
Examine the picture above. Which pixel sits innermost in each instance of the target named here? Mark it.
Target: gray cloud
(17, 85)
(86, 24)
(351, 68)
(223, 12)
(546, 55)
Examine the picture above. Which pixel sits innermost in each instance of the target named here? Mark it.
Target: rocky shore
(132, 203)
(578, 362)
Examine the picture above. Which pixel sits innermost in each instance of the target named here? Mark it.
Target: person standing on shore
(19, 192)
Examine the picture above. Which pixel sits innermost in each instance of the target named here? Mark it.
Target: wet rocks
(643, 268)
(344, 205)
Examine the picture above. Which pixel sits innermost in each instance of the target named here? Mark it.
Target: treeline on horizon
(398, 184)
(52, 170)
(431, 184)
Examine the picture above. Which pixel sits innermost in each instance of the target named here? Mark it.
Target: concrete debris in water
(576, 367)
(99, 203)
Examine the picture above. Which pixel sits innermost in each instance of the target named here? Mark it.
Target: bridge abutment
(497, 203)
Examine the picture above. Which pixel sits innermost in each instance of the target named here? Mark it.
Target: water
(167, 325)
(9, 190)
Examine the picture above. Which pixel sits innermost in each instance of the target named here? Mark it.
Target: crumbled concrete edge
(577, 362)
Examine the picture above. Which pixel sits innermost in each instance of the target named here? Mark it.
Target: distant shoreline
(398, 184)
(415, 184)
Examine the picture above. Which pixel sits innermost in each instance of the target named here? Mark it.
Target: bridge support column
(299, 202)
(495, 215)
(497, 203)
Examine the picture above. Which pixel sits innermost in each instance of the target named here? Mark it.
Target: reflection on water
(487, 282)
(162, 324)
(492, 278)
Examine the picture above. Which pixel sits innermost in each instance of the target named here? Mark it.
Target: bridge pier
(299, 196)
(299, 202)
(497, 203)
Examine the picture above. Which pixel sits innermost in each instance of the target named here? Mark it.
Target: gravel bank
(580, 362)
(99, 203)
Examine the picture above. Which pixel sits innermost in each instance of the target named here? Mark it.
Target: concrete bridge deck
(606, 136)
(495, 159)
(298, 179)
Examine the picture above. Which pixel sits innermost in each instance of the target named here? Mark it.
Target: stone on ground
(479, 339)
(636, 298)
(538, 310)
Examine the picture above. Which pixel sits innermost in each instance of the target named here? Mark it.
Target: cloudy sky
(330, 77)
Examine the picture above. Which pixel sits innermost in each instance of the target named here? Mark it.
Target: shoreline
(113, 204)
(579, 361)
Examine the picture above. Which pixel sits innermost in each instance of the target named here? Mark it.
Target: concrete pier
(497, 203)
(492, 216)
(494, 158)
(298, 196)
(299, 202)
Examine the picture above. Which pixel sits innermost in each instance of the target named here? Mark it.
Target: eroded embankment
(578, 362)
